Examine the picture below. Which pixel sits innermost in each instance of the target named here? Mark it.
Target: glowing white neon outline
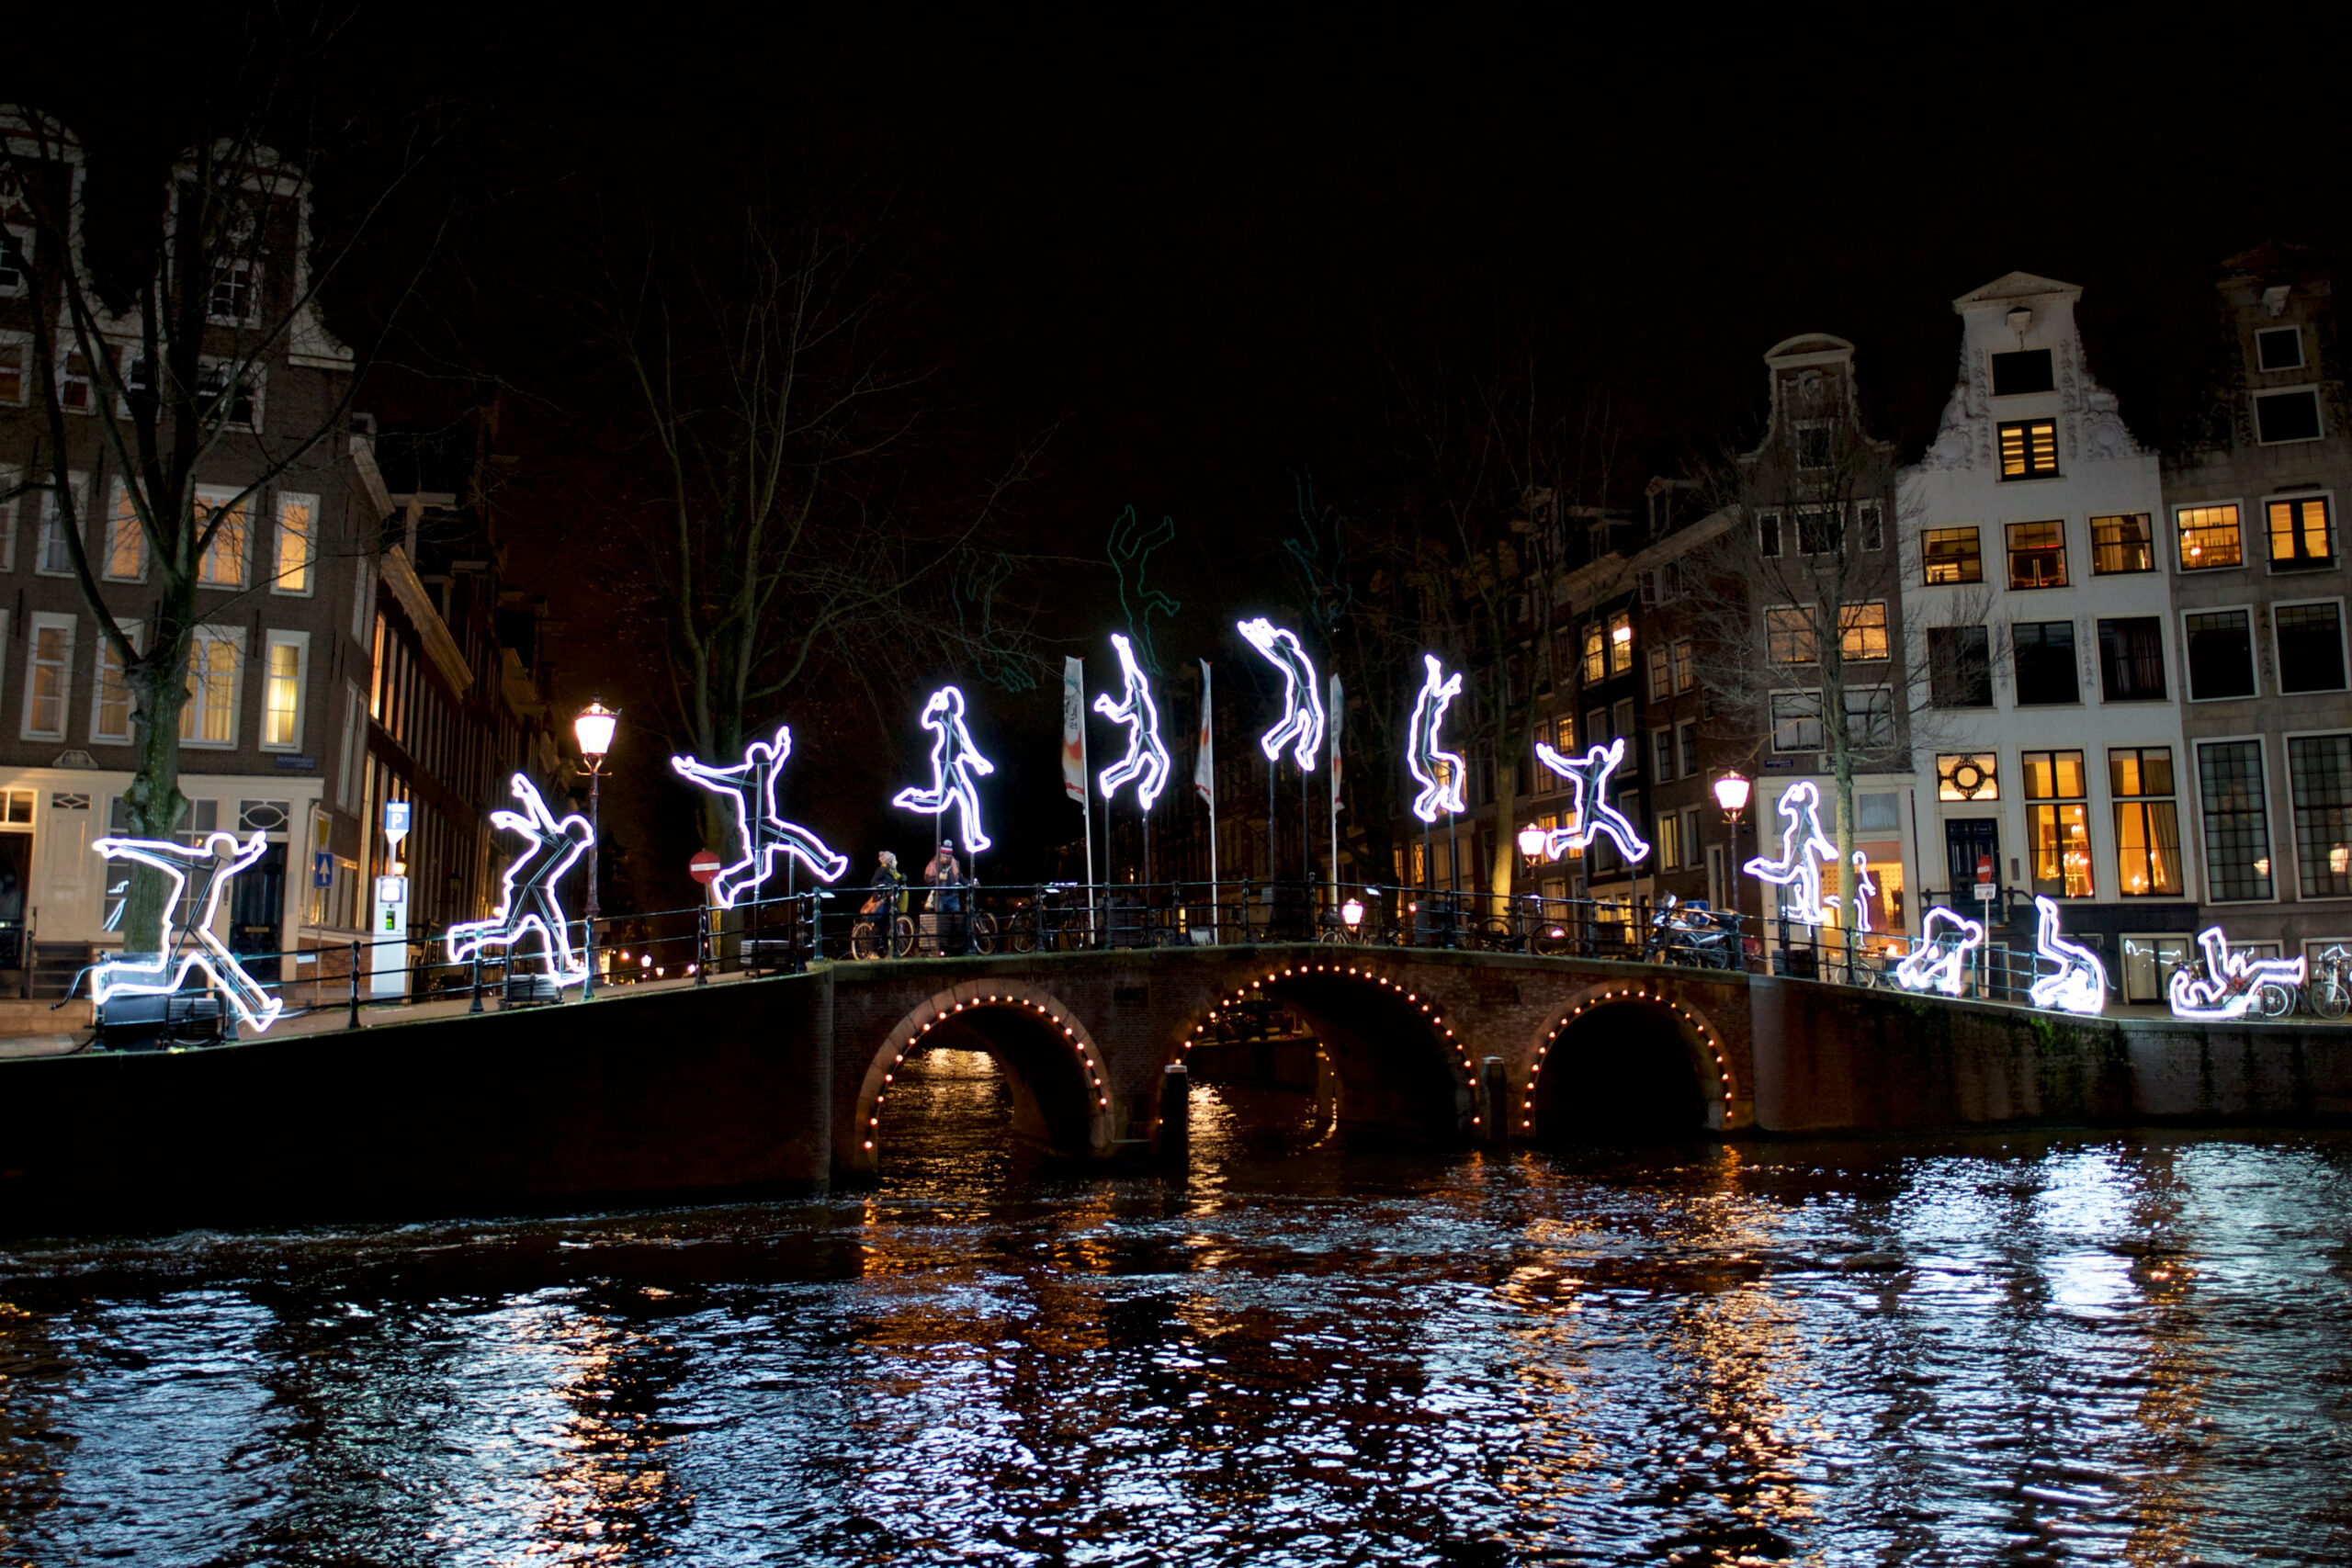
(1146, 759)
(2080, 985)
(1589, 775)
(1801, 842)
(1422, 754)
(956, 763)
(1301, 720)
(115, 976)
(531, 879)
(1932, 966)
(764, 833)
(2207, 998)
(1865, 889)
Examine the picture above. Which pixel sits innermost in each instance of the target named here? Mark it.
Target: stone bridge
(759, 1086)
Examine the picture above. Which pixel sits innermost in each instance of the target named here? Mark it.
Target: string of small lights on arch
(1436, 1019)
(1051, 1012)
(1631, 993)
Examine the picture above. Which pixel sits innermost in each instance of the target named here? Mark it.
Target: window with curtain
(2301, 539)
(2131, 659)
(2057, 823)
(210, 716)
(126, 543)
(223, 563)
(297, 516)
(2147, 822)
(2122, 544)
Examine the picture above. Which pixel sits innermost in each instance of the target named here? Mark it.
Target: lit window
(210, 716)
(2208, 537)
(223, 565)
(1621, 644)
(2036, 555)
(2057, 823)
(2311, 647)
(2279, 348)
(1596, 654)
(2028, 448)
(1686, 673)
(296, 517)
(126, 543)
(2286, 416)
(1564, 735)
(1789, 636)
(1968, 775)
(2147, 824)
(48, 676)
(1670, 841)
(1861, 630)
(1661, 675)
(110, 710)
(1952, 555)
(2122, 544)
(2220, 655)
(2300, 536)
(2237, 821)
(1796, 721)
(281, 722)
(2319, 769)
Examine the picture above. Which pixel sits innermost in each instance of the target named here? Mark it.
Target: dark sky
(1196, 251)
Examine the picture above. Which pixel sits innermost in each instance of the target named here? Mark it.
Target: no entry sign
(703, 867)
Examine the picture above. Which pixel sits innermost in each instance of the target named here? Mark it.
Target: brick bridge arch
(1628, 1056)
(1061, 1093)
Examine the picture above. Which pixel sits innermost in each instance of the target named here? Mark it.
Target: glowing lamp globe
(593, 729)
(1531, 840)
(1731, 794)
(1352, 912)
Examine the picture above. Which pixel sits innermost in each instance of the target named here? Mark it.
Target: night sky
(1200, 257)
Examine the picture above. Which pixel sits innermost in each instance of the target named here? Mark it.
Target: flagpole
(1335, 787)
(1204, 775)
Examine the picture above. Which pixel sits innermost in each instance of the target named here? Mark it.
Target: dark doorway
(15, 870)
(1971, 843)
(257, 904)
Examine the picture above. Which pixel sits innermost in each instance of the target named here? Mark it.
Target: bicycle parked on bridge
(2328, 993)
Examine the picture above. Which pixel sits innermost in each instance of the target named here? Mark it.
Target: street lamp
(1731, 794)
(1531, 843)
(593, 729)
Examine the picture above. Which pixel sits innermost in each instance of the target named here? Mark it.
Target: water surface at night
(2088, 1348)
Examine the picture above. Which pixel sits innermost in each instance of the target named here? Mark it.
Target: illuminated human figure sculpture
(2080, 985)
(527, 897)
(1439, 772)
(1302, 722)
(193, 947)
(1803, 850)
(1865, 889)
(764, 835)
(1939, 961)
(1146, 759)
(956, 766)
(2230, 980)
(1594, 814)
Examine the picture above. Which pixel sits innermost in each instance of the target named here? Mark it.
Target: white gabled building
(2051, 752)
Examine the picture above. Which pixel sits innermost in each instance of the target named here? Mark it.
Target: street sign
(323, 870)
(1987, 892)
(395, 817)
(703, 867)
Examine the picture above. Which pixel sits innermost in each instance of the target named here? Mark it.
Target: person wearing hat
(946, 879)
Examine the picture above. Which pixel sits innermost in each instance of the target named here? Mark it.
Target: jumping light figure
(526, 898)
(193, 947)
(764, 834)
(1865, 889)
(955, 766)
(1589, 776)
(2080, 985)
(1936, 964)
(1438, 771)
(1801, 845)
(2232, 979)
(1146, 759)
(1301, 720)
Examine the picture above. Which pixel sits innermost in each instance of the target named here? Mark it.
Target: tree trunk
(152, 801)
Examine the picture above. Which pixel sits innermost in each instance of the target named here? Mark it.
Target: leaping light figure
(526, 899)
(174, 954)
(1594, 814)
(1438, 771)
(765, 834)
(1939, 962)
(2230, 980)
(1803, 845)
(1302, 705)
(2080, 985)
(955, 766)
(1146, 759)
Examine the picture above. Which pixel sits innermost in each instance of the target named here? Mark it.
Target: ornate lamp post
(593, 729)
(1531, 843)
(1731, 794)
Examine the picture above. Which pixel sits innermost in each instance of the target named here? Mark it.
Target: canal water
(2070, 1348)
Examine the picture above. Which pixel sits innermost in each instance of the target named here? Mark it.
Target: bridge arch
(1400, 1064)
(1061, 1095)
(1628, 1058)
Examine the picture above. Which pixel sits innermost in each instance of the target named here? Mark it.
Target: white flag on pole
(1337, 707)
(1205, 759)
(1074, 729)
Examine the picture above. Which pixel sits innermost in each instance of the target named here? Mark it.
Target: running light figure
(2080, 985)
(1439, 773)
(955, 765)
(1589, 775)
(1146, 759)
(1939, 963)
(1302, 705)
(1865, 889)
(527, 897)
(1801, 845)
(2230, 980)
(195, 947)
(764, 835)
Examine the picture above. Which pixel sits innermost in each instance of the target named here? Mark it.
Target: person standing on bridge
(946, 879)
(890, 886)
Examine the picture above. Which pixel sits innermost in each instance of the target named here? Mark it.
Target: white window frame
(2302, 360)
(300, 643)
(131, 629)
(2261, 744)
(2343, 637)
(11, 475)
(113, 516)
(235, 638)
(35, 624)
(1685, 665)
(1869, 520)
(24, 373)
(354, 709)
(2245, 553)
(1773, 720)
(24, 239)
(123, 362)
(2253, 651)
(2286, 761)
(2335, 535)
(310, 546)
(1878, 702)
(362, 600)
(256, 379)
(251, 264)
(78, 480)
(221, 495)
(1810, 628)
(2318, 407)
(65, 352)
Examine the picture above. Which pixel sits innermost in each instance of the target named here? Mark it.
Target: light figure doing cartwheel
(765, 834)
(1440, 772)
(957, 765)
(1146, 759)
(527, 897)
(193, 946)
(1804, 849)
(1594, 816)
(1302, 722)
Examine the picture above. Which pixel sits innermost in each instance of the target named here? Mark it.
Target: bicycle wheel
(2272, 999)
(863, 937)
(902, 936)
(1021, 937)
(983, 932)
(2331, 998)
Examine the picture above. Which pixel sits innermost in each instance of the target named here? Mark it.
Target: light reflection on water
(2089, 1347)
